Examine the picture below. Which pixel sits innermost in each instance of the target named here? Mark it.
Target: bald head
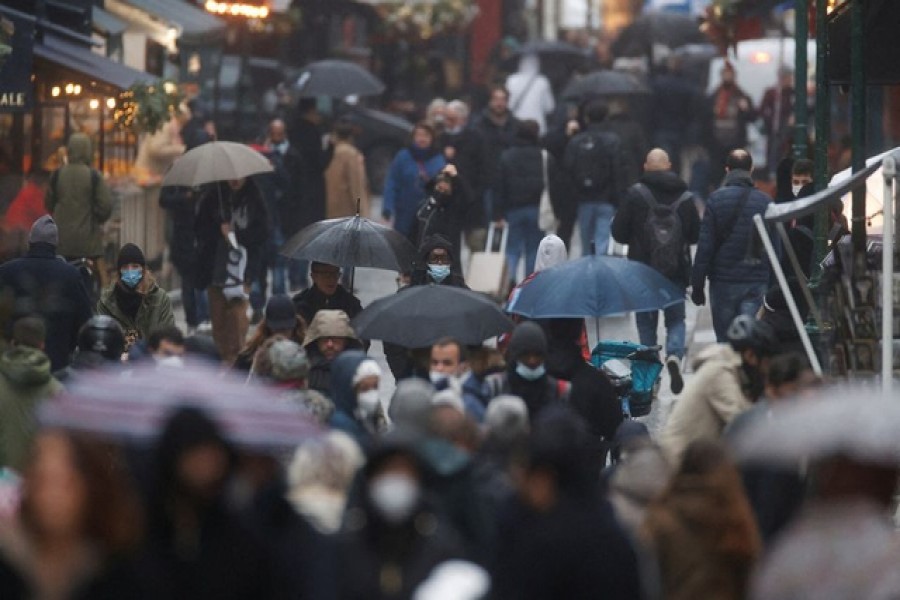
(657, 160)
(739, 159)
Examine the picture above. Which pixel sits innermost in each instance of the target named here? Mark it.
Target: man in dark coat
(41, 284)
(660, 186)
(559, 538)
(305, 134)
(325, 293)
(497, 127)
(738, 279)
(463, 147)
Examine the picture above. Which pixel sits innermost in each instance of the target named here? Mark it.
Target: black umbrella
(665, 28)
(352, 242)
(420, 315)
(338, 79)
(605, 83)
(561, 52)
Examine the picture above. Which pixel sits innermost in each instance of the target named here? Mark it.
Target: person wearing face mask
(354, 391)
(728, 379)
(449, 369)
(392, 537)
(526, 373)
(134, 299)
(437, 264)
(166, 346)
(450, 209)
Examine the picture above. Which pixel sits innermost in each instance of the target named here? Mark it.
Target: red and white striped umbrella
(133, 405)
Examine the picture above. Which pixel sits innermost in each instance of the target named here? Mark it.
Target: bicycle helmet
(747, 333)
(102, 334)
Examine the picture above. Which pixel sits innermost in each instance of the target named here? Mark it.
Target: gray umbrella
(216, 161)
(338, 79)
(605, 83)
(852, 421)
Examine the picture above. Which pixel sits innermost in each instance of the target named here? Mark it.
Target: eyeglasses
(327, 274)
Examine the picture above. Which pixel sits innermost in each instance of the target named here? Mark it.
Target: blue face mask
(131, 277)
(529, 374)
(439, 272)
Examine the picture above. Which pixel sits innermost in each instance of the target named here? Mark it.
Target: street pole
(801, 109)
(823, 132)
(858, 127)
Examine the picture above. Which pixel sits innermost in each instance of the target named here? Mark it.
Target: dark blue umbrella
(594, 286)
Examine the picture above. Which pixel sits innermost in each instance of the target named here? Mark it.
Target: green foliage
(145, 108)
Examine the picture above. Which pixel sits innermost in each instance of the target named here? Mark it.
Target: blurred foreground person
(196, 548)
(701, 529)
(393, 539)
(559, 539)
(78, 524)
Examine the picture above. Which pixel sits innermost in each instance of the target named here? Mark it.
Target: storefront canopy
(89, 64)
(107, 22)
(195, 24)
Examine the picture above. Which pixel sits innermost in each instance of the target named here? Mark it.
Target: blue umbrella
(594, 286)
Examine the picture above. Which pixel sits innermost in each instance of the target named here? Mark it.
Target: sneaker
(673, 364)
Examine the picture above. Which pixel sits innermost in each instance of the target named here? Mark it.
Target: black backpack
(594, 161)
(663, 232)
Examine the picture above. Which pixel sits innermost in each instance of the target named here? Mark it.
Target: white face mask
(367, 401)
(437, 377)
(795, 189)
(170, 362)
(394, 496)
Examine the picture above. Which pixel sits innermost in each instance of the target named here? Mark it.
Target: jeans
(594, 219)
(728, 299)
(524, 236)
(675, 328)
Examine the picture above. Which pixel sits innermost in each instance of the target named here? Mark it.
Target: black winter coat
(629, 225)
(306, 137)
(733, 260)
(466, 150)
(450, 217)
(634, 144)
(521, 179)
(311, 300)
(42, 284)
(216, 207)
(497, 138)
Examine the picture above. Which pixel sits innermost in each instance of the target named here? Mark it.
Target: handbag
(230, 268)
(547, 221)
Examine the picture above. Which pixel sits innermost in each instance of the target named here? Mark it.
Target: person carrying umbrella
(134, 299)
(326, 292)
(728, 379)
(234, 208)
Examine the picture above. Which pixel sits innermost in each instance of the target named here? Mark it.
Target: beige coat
(345, 181)
(711, 399)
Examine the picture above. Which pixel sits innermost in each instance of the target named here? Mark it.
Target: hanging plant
(424, 20)
(145, 108)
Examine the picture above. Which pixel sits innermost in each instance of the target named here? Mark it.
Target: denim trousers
(594, 219)
(673, 318)
(728, 299)
(524, 237)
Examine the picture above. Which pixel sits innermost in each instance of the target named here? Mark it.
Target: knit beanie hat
(526, 338)
(130, 254)
(289, 361)
(367, 368)
(44, 230)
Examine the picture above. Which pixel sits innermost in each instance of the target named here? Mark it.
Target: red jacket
(25, 208)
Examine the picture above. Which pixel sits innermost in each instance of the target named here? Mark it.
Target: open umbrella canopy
(594, 286)
(132, 406)
(852, 421)
(418, 316)
(656, 27)
(605, 83)
(352, 242)
(216, 161)
(338, 79)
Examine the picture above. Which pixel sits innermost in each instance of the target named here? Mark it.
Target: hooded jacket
(731, 261)
(78, 206)
(25, 380)
(343, 395)
(711, 399)
(154, 312)
(326, 323)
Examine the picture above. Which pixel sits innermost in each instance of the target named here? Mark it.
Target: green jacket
(154, 313)
(25, 380)
(78, 205)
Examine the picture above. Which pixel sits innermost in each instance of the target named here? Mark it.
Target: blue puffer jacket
(404, 188)
(734, 260)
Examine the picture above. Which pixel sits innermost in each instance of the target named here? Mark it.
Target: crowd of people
(502, 470)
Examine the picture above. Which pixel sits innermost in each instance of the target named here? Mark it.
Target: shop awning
(106, 22)
(90, 64)
(194, 22)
